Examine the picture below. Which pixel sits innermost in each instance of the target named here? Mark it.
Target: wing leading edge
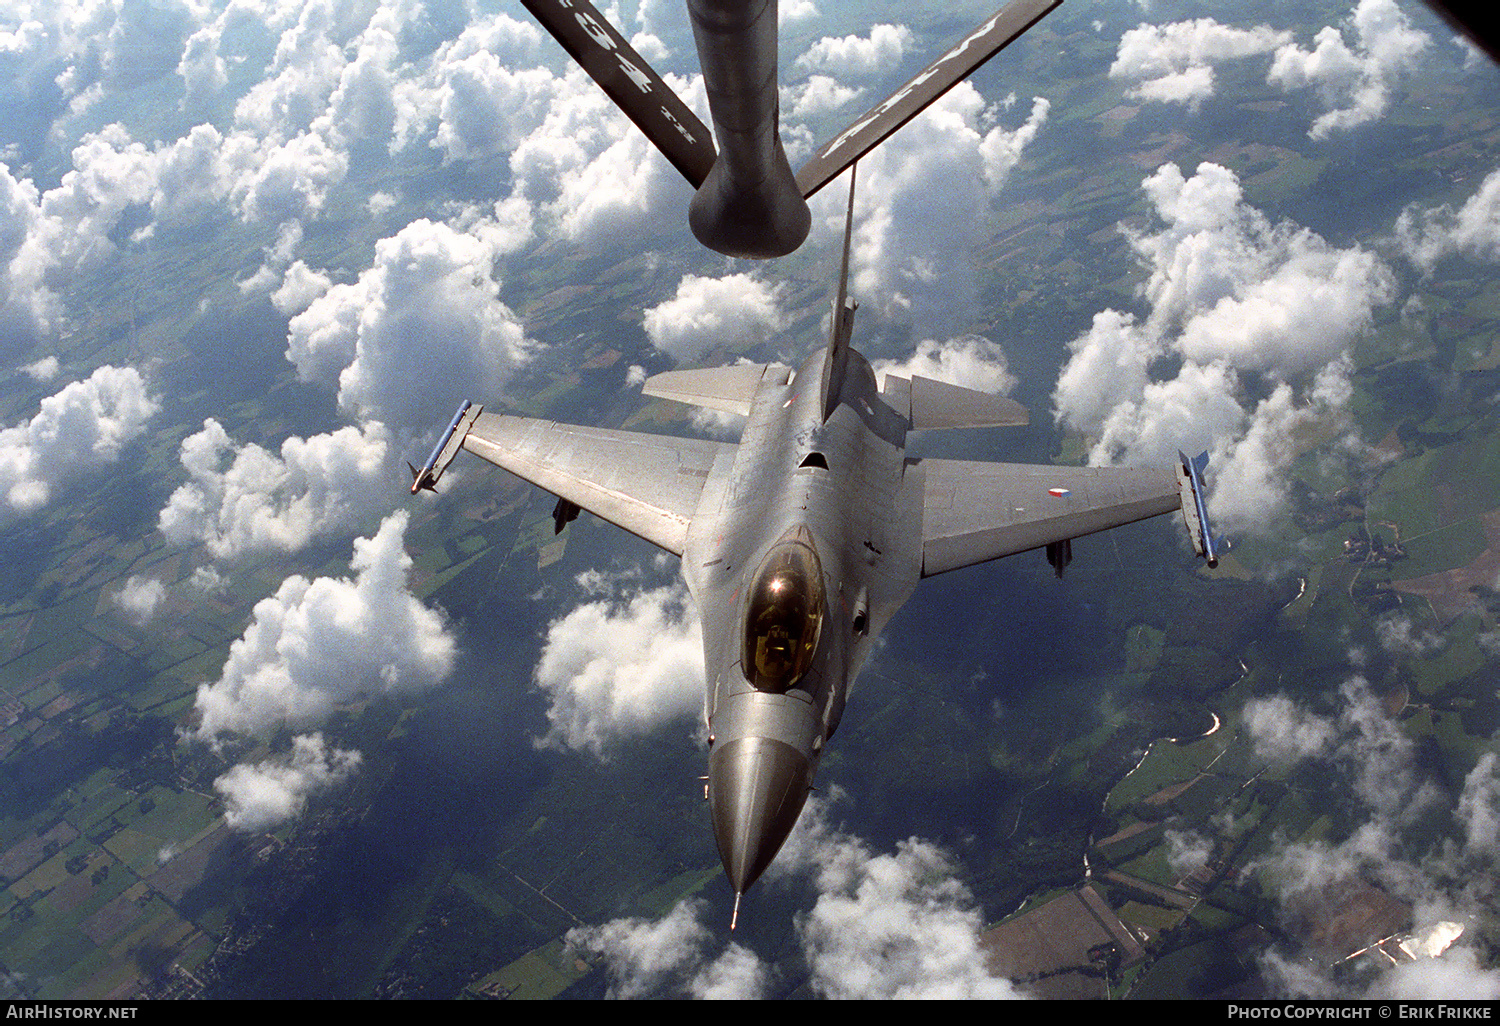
(973, 511)
(647, 484)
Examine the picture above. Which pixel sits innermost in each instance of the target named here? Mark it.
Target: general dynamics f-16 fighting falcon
(800, 542)
(748, 203)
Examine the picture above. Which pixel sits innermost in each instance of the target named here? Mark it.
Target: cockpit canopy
(785, 614)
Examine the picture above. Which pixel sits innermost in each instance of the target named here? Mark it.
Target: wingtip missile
(421, 479)
(1194, 512)
(442, 454)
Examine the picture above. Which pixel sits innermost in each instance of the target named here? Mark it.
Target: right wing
(973, 512)
(647, 484)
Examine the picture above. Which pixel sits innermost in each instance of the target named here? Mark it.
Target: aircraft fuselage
(796, 482)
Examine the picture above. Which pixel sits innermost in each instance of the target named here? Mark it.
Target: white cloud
(1427, 236)
(1174, 63)
(1479, 805)
(317, 644)
(300, 287)
(1187, 851)
(972, 361)
(140, 598)
(1398, 635)
(1283, 732)
(795, 11)
(858, 56)
(80, 428)
(818, 95)
(883, 926)
(1235, 301)
(262, 796)
(1001, 150)
(922, 202)
(732, 312)
(1356, 82)
(899, 926)
(244, 499)
(1443, 879)
(622, 664)
(44, 369)
(421, 328)
(667, 958)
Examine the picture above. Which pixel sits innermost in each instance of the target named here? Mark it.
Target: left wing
(973, 512)
(647, 484)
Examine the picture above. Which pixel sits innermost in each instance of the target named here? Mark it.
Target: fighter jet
(748, 203)
(800, 542)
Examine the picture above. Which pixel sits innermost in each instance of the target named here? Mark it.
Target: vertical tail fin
(841, 327)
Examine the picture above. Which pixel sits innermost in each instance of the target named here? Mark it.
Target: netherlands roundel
(1061, 493)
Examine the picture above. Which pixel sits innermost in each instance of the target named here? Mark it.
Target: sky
(280, 125)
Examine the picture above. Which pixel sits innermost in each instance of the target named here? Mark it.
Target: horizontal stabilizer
(631, 83)
(915, 96)
(730, 389)
(931, 405)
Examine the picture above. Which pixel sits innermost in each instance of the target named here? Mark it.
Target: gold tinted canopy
(785, 614)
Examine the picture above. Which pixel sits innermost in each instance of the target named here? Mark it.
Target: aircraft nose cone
(757, 786)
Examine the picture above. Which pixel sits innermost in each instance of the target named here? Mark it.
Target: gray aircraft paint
(834, 473)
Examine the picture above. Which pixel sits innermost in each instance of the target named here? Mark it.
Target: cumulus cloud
(1398, 635)
(264, 795)
(140, 598)
(245, 499)
(1175, 63)
(1356, 82)
(428, 311)
(735, 311)
(795, 10)
(1427, 236)
(889, 926)
(858, 56)
(1238, 305)
(317, 644)
(972, 361)
(922, 201)
(1444, 878)
(624, 663)
(898, 925)
(79, 429)
(300, 287)
(668, 958)
(1283, 732)
(1187, 851)
(573, 156)
(44, 369)
(818, 95)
